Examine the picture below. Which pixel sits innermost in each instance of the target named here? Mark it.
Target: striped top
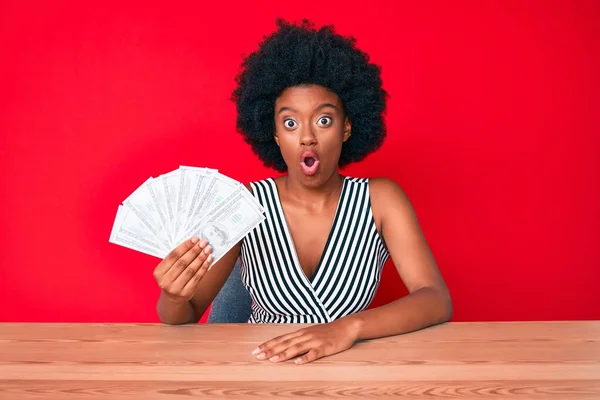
(346, 277)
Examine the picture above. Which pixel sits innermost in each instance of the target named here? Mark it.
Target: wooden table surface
(521, 360)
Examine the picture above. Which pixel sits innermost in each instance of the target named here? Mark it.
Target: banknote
(144, 205)
(199, 186)
(156, 188)
(170, 182)
(232, 219)
(192, 183)
(129, 231)
(217, 189)
(189, 201)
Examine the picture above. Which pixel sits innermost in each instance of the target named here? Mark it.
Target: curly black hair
(297, 55)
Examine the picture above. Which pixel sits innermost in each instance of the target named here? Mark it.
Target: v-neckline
(290, 239)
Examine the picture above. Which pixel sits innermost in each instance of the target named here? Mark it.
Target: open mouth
(309, 163)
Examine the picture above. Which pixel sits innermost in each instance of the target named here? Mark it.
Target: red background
(493, 133)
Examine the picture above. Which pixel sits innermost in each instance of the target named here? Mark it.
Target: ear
(347, 129)
(276, 138)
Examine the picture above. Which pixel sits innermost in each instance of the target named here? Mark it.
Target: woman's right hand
(180, 272)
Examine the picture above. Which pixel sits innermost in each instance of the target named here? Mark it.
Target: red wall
(493, 133)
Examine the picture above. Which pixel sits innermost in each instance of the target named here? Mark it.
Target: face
(214, 235)
(310, 128)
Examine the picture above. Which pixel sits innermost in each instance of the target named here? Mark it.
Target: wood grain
(519, 360)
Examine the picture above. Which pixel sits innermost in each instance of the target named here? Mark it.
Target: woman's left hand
(309, 343)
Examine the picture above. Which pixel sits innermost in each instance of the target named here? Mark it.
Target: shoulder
(381, 188)
(388, 198)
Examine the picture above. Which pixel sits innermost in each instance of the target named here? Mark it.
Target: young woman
(310, 102)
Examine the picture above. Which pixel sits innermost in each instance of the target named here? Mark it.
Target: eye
(289, 123)
(324, 121)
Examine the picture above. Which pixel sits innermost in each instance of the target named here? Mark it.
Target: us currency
(171, 185)
(185, 177)
(157, 191)
(217, 189)
(129, 231)
(229, 222)
(201, 179)
(144, 206)
(191, 185)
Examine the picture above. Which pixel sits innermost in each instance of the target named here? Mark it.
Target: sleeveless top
(348, 273)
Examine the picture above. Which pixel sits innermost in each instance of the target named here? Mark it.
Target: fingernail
(203, 243)
(256, 351)
(261, 356)
(207, 249)
(274, 358)
(297, 361)
(194, 239)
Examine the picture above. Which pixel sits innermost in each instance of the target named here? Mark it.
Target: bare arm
(187, 292)
(428, 302)
(212, 283)
(189, 282)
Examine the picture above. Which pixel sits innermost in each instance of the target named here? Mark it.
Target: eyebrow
(320, 107)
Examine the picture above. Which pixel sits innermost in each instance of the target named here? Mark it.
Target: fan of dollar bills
(186, 202)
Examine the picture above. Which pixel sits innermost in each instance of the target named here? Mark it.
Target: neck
(314, 198)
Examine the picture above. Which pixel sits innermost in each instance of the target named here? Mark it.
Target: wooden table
(526, 360)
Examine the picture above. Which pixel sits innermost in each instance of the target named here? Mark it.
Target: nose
(307, 137)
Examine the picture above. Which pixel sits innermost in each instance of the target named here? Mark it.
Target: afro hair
(296, 55)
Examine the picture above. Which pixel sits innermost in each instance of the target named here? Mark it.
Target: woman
(308, 103)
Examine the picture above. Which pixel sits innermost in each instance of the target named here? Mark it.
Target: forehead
(306, 97)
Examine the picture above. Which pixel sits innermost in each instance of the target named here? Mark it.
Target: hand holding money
(164, 213)
(180, 272)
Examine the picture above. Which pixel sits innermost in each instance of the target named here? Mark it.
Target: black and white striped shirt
(346, 277)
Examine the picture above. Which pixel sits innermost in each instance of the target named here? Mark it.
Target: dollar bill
(229, 222)
(199, 179)
(144, 205)
(129, 231)
(156, 188)
(171, 187)
(190, 201)
(217, 189)
(192, 183)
